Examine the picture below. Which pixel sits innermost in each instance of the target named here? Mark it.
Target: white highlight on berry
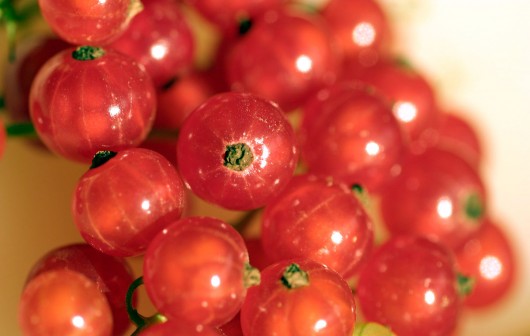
(405, 111)
(319, 325)
(159, 51)
(429, 297)
(215, 281)
(336, 237)
(304, 64)
(114, 110)
(265, 153)
(444, 207)
(78, 321)
(372, 148)
(490, 267)
(363, 34)
(146, 205)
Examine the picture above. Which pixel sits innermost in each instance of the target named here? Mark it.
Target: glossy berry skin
(361, 28)
(237, 150)
(176, 101)
(32, 53)
(297, 62)
(121, 205)
(194, 271)
(414, 99)
(409, 284)
(81, 107)
(322, 306)
(82, 22)
(178, 328)
(317, 219)
(233, 327)
(64, 302)
(111, 275)
(349, 132)
(488, 258)
(438, 195)
(226, 15)
(159, 38)
(459, 134)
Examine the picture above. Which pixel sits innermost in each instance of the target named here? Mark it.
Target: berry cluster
(363, 207)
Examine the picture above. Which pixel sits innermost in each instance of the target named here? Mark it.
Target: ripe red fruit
(414, 99)
(159, 38)
(348, 132)
(361, 28)
(458, 134)
(112, 276)
(92, 22)
(410, 285)
(64, 302)
(237, 150)
(489, 260)
(195, 270)
(438, 195)
(297, 62)
(86, 100)
(121, 205)
(317, 219)
(298, 297)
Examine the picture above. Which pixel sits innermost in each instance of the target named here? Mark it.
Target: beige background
(477, 53)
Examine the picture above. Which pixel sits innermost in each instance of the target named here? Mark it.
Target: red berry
(298, 298)
(488, 259)
(437, 194)
(159, 38)
(92, 22)
(409, 284)
(413, 97)
(111, 275)
(194, 270)
(458, 134)
(361, 28)
(299, 58)
(228, 14)
(237, 150)
(319, 220)
(348, 132)
(121, 205)
(86, 100)
(64, 302)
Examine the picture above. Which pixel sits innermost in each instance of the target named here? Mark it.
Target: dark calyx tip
(101, 157)
(87, 53)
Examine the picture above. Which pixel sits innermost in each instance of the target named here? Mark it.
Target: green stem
(252, 276)
(9, 16)
(21, 130)
(141, 322)
(465, 284)
(294, 277)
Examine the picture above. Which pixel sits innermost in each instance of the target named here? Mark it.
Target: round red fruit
(89, 99)
(122, 202)
(237, 150)
(64, 302)
(299, 297)
(195, 270)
